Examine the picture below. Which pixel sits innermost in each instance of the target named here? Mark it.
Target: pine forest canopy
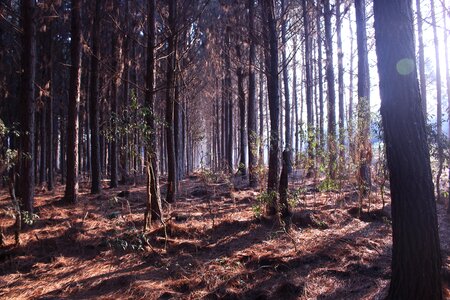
(284, 98)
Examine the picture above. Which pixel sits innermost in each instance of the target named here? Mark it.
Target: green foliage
(28, 218)
(294, 197)
(264, 199)
(129, 241)
(328, 185)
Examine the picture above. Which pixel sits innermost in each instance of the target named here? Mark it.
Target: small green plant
(294, 197)
(262, 201)
(328, 185)
(29, 218)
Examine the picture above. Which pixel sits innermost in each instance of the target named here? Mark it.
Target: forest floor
(211, 247)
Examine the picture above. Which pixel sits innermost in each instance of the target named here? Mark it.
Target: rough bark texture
(27, 106)
(414, 219)
(241, 99)
(94, 104)
(423, 79)
(285, 212)
(340, 54)
(273, 95)
(154, 210)
(332, 147)
(440, 146)
(309, 85)
(71, 192)
(170, 105)
(365, 151)
(251, 105)
(287, 105)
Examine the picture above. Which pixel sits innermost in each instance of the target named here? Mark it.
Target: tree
(71, 192)
(153, 208)
(287, 105)
(170, 104)
(423, 79)
(115, 94)
(94, 101)
(365, 151)
(332, 147)
(271, 58)
(440, 146)
(309, 85)
(27, 106)
(251, 105)
(416, 261)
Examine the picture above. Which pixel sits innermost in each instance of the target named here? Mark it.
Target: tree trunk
(423, 79)
(340, 55)
(285, 212)
(94, 103)
(447, 77)
(365, 146)
(320, 77)
(27, 106)
(71, 192)
(228, 104)
(271, 41)
(170, 105)
(414, 219)
(241, 97)
(287, 105)
(440, 146)
(309, 100)
(115, 96)
(332, 147)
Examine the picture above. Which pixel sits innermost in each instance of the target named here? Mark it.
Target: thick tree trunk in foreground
(27, 106)
(416, 261)
(71, 192)
(273, 95)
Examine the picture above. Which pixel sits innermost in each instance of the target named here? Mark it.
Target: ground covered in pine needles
(213, 245)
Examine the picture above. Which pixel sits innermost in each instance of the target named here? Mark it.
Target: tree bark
(27, 106)
(241, 100)
(309, 92)
(340, 55)
(170, 105)
(94, 103)
(71, 192)
(423, 79)
(365, 146)
(440, 146)
(414, 219)
(251, 105)
(271, 42)
(332, 147)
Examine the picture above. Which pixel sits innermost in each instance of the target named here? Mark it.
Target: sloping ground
(212, 247)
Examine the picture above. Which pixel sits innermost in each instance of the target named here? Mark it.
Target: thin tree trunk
(332, 147)
(94, 104)
(365, 151)
(71, 192)
(309, 96)
(170, 105)
(340, 54)
(423, 79)
(440, 146)
(241, 98)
